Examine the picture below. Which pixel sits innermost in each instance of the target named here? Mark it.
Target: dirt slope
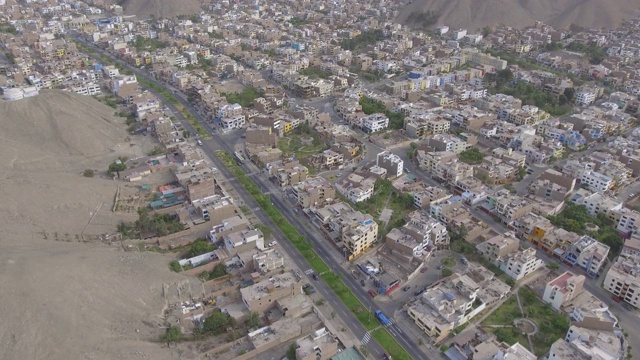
(161, 8)
(475, 14)
(62, 299)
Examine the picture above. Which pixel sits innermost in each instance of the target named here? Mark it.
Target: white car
(273, 243)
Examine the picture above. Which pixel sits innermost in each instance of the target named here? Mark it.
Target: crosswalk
(309, 271)
(365, 340)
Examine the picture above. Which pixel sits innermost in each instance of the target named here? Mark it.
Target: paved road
(209, 147)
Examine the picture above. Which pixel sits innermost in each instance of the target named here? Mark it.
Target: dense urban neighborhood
(327, 183)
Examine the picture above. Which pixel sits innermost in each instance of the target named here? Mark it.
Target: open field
(67, 299)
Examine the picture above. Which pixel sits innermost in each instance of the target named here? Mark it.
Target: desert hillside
(161, 8)
(63, 299)
(474, 14)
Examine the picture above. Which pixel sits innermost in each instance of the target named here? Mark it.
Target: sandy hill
(64, 299)
(475, 14)
(161, 8)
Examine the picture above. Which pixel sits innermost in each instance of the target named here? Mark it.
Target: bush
(471, 156)
(218, 323)
(200, 247)
(446, 272)
(175, 266)
(88, 173)
(173, 334)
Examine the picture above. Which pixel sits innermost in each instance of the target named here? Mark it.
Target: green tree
(172, 335)
(570, 94)
(218, 323)
(253, 320)
(446, 272)
(175, 266)
(471, 156)
(116, 167)
(200, 247)
(486, 31)
(218, 271)
(291, 352)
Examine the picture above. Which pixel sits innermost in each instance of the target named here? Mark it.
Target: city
(320, 182)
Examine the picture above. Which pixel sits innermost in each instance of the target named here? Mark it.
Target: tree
(471, 156)
(291, 352)
(570, 94)
(446, 272)
(218, 323)
(253, 320)
(200, 247)
(554, 266)
(116, 167)
(175, 266)
(486, 31)
(218, 271)
(173, 334)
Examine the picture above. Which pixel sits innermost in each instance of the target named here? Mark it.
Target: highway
(217, 143)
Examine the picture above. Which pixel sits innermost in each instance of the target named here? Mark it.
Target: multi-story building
(319, 345)
(263, 295)
(597, 203)
(427, 230)
(563, 289)
(446, 305)
(629, 221)
(623, 279)
(581, 343)
(313, 192)
(374, 123)
(520, 263)
(509, 207)
(356, 188)
(448, 142)
(287, 173)
(498, 247)
(243, 240)
(596, 181)
(423, 198)
(391, 162)
(588, 253)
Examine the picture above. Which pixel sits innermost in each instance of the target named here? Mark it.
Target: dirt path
(522, 312)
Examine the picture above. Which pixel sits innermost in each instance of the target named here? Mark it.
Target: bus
(382, 318)
(239, 158)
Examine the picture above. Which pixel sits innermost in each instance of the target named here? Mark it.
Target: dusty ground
(67, 299)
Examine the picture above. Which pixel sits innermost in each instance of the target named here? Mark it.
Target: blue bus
(382, 318)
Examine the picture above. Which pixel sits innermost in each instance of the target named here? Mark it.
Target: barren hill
(63, 299)
(161, 8)
(475, 14)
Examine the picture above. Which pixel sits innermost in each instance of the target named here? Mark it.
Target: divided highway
(217, 143)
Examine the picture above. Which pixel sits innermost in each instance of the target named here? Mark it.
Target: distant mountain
(161, 8)
(476, 14)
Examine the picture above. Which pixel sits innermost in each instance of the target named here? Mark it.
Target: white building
(588, 253)
(585, 97)
(562, 289)
(520, 263)
(623, 281)
(391, 162)
(233, 122)
(596, 181)
(374, 123)
(245, 237)
(87, 89)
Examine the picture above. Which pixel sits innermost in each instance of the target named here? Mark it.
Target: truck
(382, 318)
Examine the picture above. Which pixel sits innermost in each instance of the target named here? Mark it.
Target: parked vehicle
(372, 293)
(362, 282)
(272, 244)
(424, 270)
(382, 318)
(406, 288)
(315, 276)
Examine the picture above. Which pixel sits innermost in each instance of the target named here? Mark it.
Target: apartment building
(423, 198)
(581, 343)
(595, 181)
(374, 123)
(588, 253)
(268, 260)
(425, 229)
(287, 173)
(263, 295)
(313, 192)
(391, 162)
(319, 345)
(232, 122)
(563, 289)
(448, 142)
(623, 279)
(498, 247)
(587, 311)
(629, 221)
(508, 207)
(356, 188)
(418, 127)
(520, 263)
(597, 203)
(446, 305)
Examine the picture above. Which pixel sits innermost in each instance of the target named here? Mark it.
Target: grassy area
(292, 145)
(384, 196)
(551, 325)
(390, 344)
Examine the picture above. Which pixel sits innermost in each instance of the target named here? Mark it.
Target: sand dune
(474, 14)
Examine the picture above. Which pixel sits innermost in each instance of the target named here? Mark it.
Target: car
(362, 282)
(464, 260)
(272, 244)
(372, 293)
(632, 195)
(406, 288)
(417, 292)
(440, 267)
(339, 174)
(424, 270)
(616, 299)
(199, 143)
(315, 277)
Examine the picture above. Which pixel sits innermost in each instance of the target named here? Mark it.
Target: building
(498, 247)
(448, 142)
(587, 253)
(313, 192)
(374, 123)
(287, 173)
(267, 261)
(587, 311)
(391, 162)
(263, 295)
(595, 181)
(356, 188)
(320, 345)
(563, 289)
(446, 305)
(520, 263)
(592, 344)
(622, 279)
(244, 240)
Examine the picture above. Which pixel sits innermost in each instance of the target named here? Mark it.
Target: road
(217, 143)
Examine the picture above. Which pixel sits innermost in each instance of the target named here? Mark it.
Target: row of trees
(373, 106)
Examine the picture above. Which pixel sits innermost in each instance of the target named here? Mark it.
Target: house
(391, 162)
(520, 263)
(313, 191)
(374, 123)
(623, 279)
(596, 181)
(563, 289)
(263, 295)
(588, 253)
(356, 188)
